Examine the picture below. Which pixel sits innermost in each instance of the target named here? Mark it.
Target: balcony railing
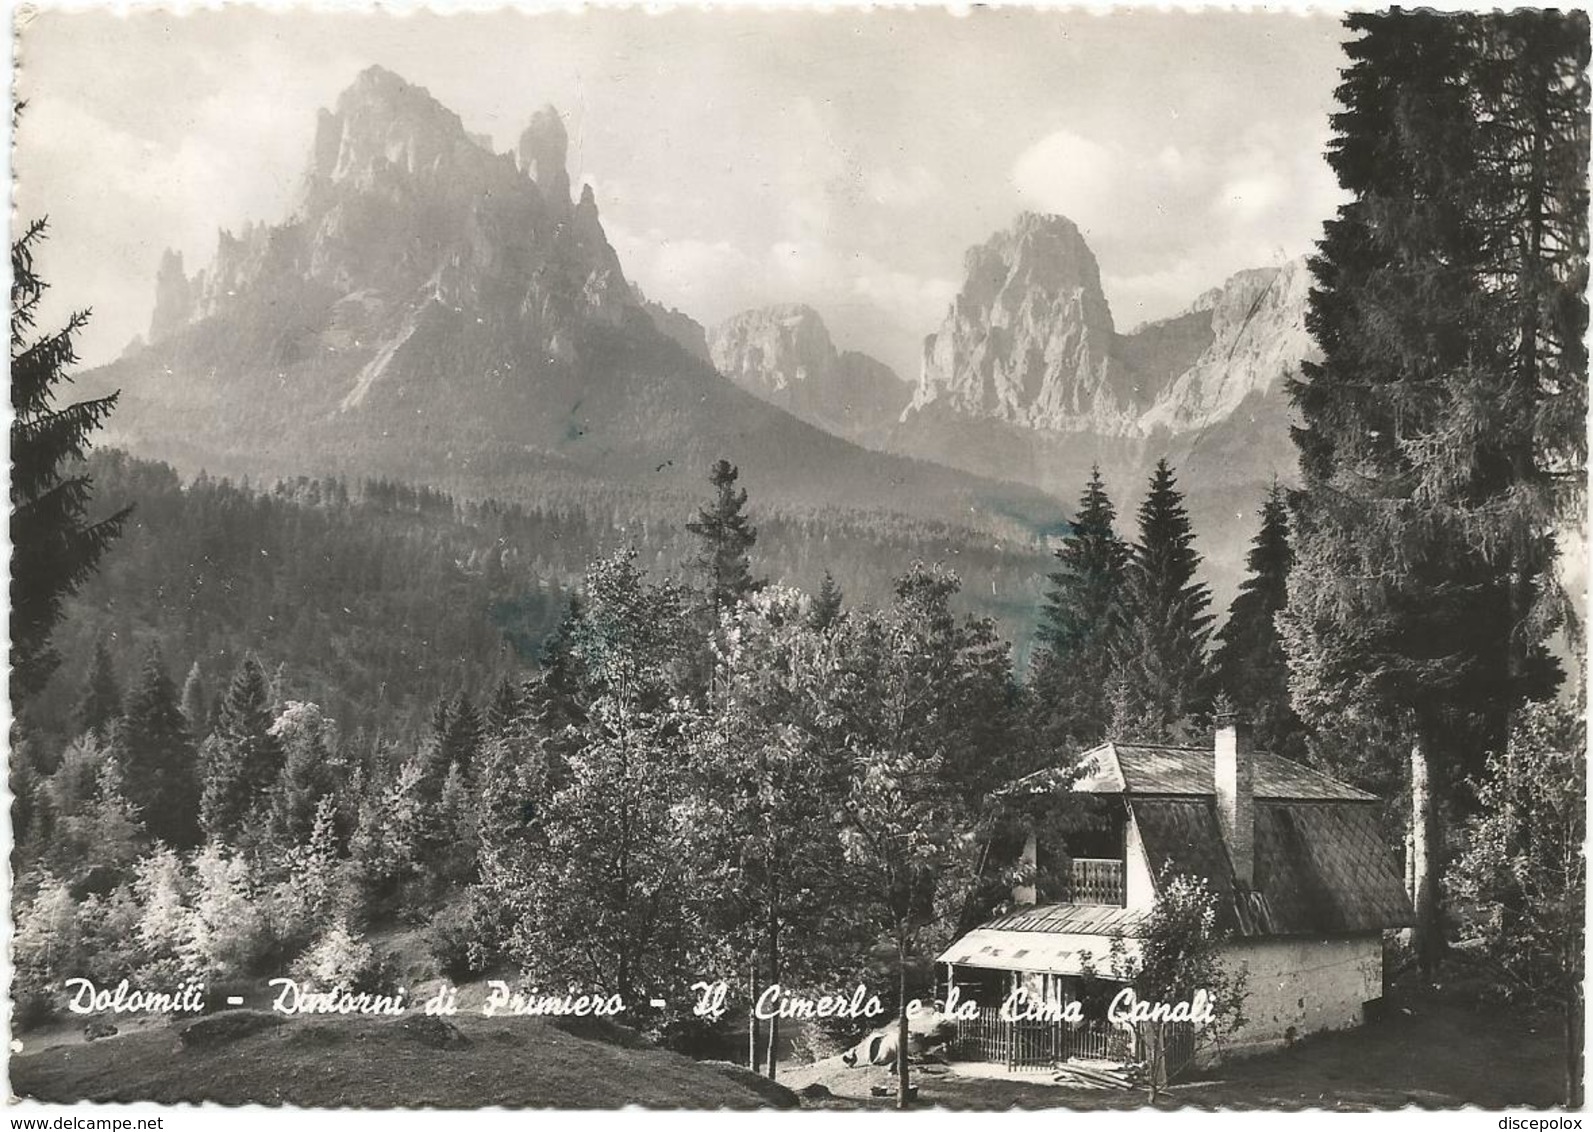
(1095, 880)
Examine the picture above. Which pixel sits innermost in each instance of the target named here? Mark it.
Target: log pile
(1082, 1076)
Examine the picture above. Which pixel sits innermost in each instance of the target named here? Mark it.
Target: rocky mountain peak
(405, 215)
(383, 122)
(773, 348)
(784, 354)
(1029, 338)
(1047, 252)
(544, 156)
(1258, 335)
(1030, 341)
(174, 297)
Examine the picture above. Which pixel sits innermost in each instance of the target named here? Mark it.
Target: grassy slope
(1442, 1055)
(364, 1063)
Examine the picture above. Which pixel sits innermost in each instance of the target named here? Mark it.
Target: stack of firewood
(1100, 1077)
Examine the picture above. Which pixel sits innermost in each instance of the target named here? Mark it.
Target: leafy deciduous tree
(1520, 886)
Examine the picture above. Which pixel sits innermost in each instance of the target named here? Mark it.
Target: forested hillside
(377, 599)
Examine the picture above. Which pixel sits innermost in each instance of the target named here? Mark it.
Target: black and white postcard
(767, 558)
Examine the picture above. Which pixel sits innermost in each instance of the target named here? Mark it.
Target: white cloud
(914, 185)
(909, 300)
(700, 277)
(1167, 221)
(1071, 175)
(842, 159)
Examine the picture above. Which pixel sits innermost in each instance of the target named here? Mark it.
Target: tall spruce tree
(312, 772)
(1508, 487)
(195, 708)
(244, 760)
(1249, 664)
(827, 603)
(504, 711)
(101, 702)
(726, 536)
(461, 739)
(558, 698)
(156, 753)
(1160, 647)
(1420, 547)
(1395, 296)
(1073, 666)
(54, 546)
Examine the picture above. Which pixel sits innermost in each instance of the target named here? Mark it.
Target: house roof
(1320, 864)
(1321, 868)
(1141, 768)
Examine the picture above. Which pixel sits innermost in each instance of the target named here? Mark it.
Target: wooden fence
(1179, 1050)
(1032, 1044)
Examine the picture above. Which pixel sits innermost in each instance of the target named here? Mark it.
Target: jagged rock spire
(174, 298)
(544, 156)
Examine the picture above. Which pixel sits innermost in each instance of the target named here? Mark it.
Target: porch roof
(993, 949)
(1072, 919)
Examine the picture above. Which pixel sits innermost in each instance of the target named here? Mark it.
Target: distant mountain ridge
(784, 355)
(1030, 340)
(436, 312)
(1027, 378)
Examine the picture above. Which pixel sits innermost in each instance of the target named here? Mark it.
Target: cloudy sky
(844, 159)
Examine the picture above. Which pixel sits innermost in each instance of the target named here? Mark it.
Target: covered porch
(1032, 998)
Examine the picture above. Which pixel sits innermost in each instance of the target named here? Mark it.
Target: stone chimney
(1028, 893)
(1236, 808)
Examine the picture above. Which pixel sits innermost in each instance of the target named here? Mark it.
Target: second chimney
(1236, 808)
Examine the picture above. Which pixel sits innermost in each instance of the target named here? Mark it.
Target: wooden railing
(1095, 880)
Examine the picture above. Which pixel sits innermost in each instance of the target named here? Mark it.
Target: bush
(219, 1029)
(108, 928)
(32, 1006)
(341, 960)
(229, 933)
(46, 949)
(454, 942)
(164, 928)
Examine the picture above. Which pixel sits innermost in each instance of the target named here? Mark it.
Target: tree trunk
(901, 1024)
(1575, 1031)
(1156, 1059)
(1427, 937)
(752, 1017)
(774, 977)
